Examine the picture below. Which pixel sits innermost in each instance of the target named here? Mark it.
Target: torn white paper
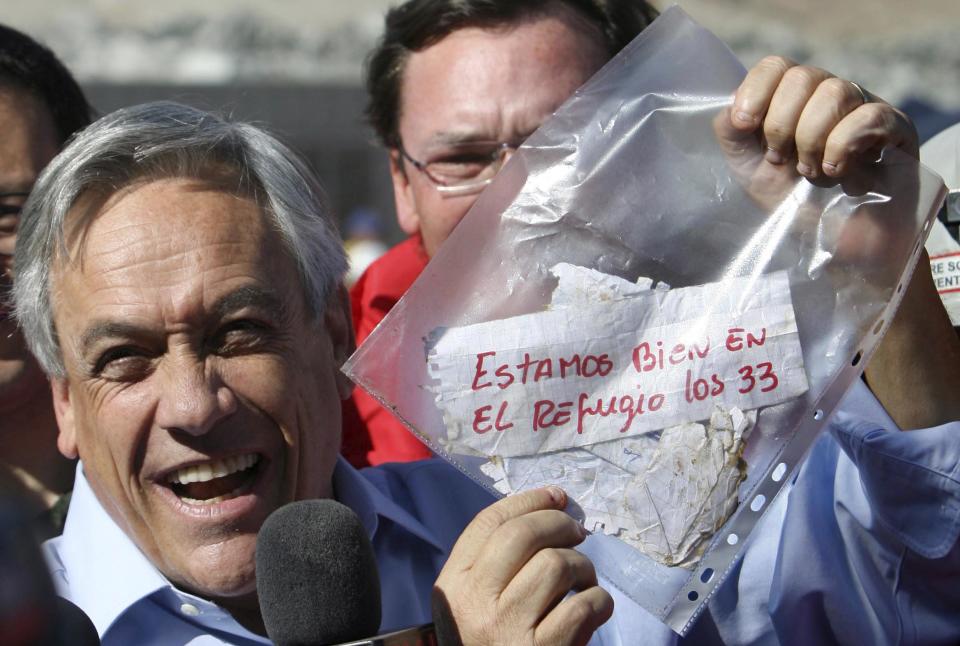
(583, 287)
(665, 496)
(664, 492)
(674, 517)
(640, 360)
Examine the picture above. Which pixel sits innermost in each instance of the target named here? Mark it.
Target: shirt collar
(370, 504)
(92, 546)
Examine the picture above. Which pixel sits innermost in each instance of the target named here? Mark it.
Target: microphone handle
(425, 635)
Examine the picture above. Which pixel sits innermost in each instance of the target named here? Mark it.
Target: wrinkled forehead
(168, 236)
(170, 255)
(101, 199)
(492, 82)
(509, 18)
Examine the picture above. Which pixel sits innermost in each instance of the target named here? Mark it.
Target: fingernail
(583, 531)
(830, 168)
(745, 117)
(774, 156)
(556, 493)
(805, 170)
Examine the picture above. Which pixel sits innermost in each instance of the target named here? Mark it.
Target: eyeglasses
(464, 168)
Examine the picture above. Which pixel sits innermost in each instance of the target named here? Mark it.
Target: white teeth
(210, 501)
(204, 472)
(210, 470)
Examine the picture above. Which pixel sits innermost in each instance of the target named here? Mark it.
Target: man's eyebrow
(103, 330)
(249, 296)
(457, 137)
(452, 137)
(238, 299)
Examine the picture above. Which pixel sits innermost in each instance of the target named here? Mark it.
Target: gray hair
(158, 140)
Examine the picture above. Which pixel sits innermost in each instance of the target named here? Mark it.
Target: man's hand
(508, 577)
(787, 117)
(813, 120)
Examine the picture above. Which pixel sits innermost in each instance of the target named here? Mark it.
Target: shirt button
(189, 610)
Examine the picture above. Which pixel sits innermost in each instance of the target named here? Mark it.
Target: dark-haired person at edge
(41, 105)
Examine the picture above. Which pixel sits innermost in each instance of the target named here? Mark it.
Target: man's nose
(193, 398)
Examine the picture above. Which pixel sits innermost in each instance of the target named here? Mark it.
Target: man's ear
(63, 408)
(403, 199)
(339, 326)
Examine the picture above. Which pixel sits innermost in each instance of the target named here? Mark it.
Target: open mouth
(213, 482)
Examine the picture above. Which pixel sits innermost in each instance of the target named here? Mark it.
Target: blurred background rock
(296, 65)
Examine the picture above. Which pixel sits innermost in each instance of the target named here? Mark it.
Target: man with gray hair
(179, 281)
(141, 265)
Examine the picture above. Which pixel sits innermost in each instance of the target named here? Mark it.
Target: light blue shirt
(862, 549)
(130, 602)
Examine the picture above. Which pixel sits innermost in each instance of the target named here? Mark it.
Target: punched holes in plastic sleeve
(778, 472)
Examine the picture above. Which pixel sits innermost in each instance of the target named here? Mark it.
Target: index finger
(511, 547)
(741, 147)
(756, 91)
(474, 537)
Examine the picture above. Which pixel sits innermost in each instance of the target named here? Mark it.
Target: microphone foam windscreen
(317, 577)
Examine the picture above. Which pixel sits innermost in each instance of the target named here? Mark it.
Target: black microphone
(317, 580)
(317, 577)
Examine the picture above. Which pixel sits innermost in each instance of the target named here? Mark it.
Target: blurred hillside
(297, 64)
(897, 49)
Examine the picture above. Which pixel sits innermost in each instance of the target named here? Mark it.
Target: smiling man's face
(201, 394)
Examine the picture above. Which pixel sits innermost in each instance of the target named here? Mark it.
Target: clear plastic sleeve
(645, 250)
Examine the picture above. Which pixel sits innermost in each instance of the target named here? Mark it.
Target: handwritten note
(608, 369)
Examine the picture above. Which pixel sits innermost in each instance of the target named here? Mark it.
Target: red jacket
(371, 435)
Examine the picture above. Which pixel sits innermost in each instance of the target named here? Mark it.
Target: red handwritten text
(481, 419)
(647, 356)
(534, 370)
(735, 339)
